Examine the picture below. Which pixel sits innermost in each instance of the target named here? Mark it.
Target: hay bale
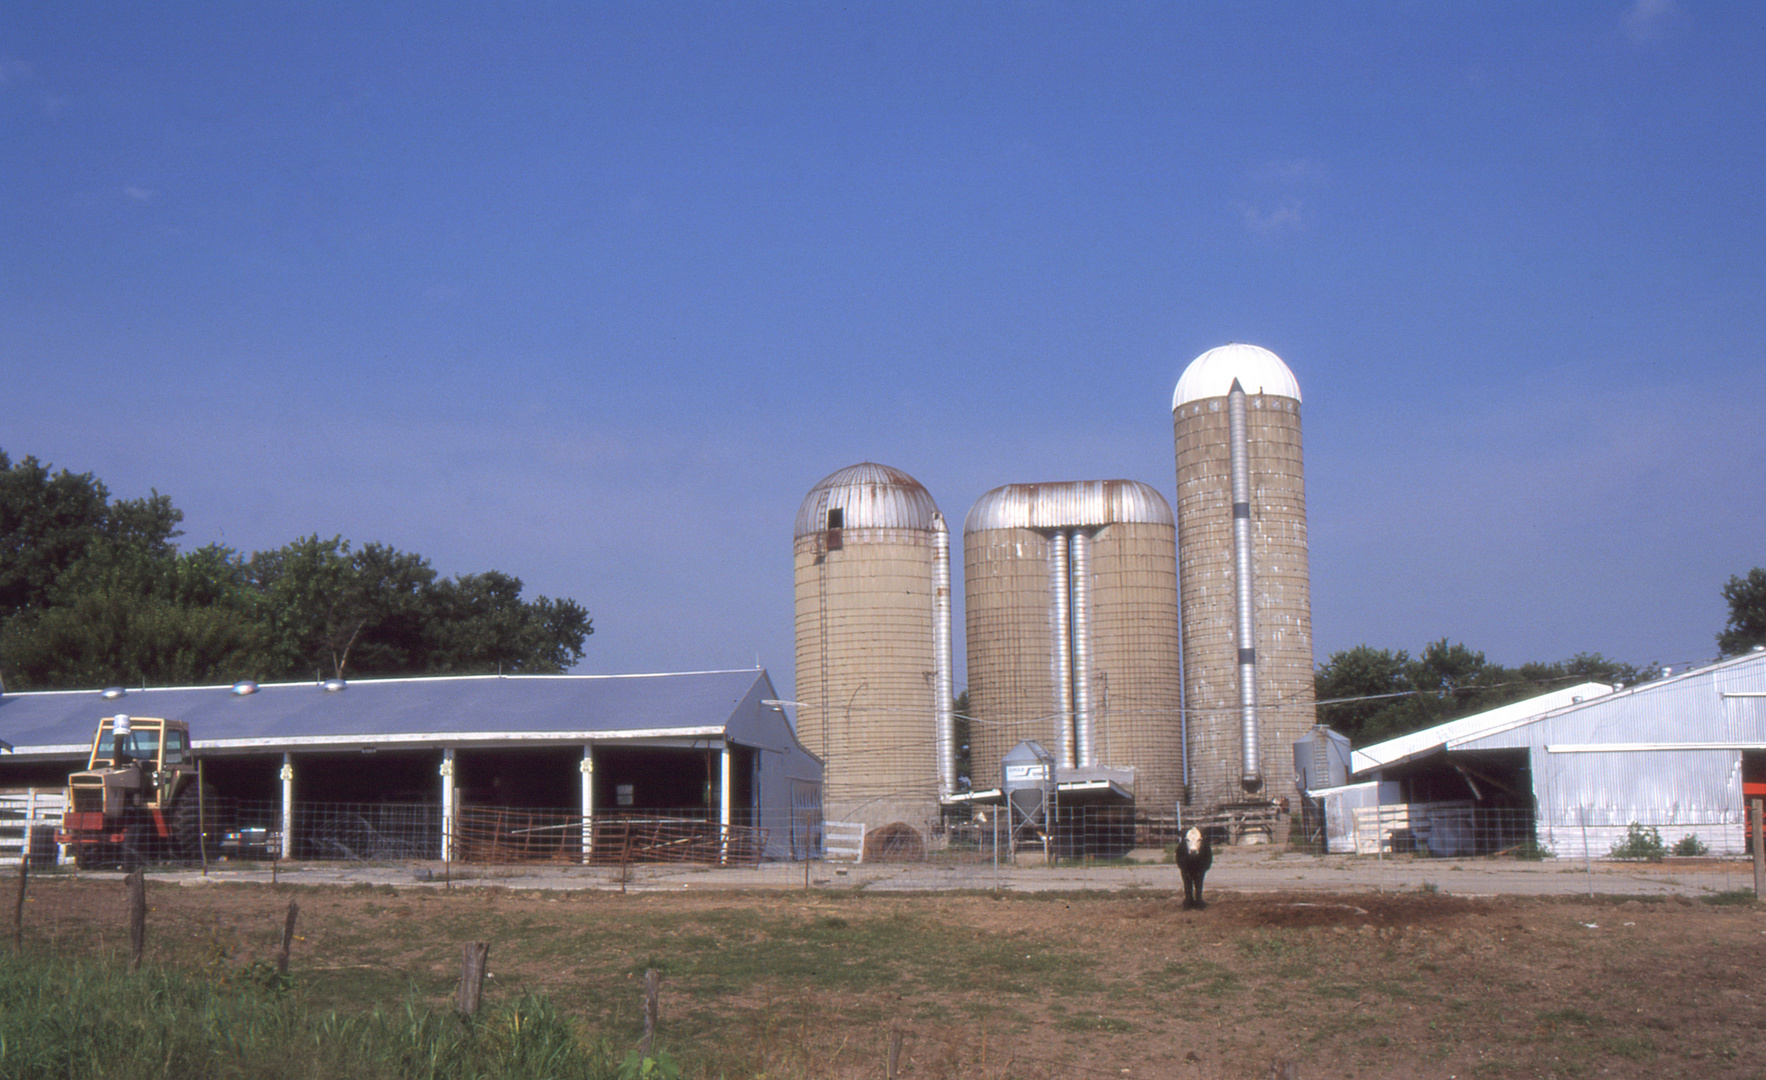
(896, 842)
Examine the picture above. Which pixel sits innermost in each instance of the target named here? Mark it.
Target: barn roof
(1432, 740)
(453, 709)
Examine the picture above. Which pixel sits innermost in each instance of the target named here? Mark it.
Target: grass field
(818, 984)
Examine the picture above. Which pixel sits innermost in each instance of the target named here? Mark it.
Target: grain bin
(1242, 569)
(871, 557)
(1070, 602)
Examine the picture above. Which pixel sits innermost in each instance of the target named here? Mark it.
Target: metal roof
(1721, 705)
(1073, 503)
(1430, 740)
(1258, 370)
(870, 496)
(417, 711)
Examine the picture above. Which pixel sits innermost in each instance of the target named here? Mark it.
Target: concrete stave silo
(1070, 606)
(871, 556)
(1241, 730)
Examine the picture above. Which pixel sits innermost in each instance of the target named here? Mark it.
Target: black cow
(1194, 856)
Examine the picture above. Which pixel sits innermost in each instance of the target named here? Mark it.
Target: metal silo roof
(870, 496)
(1258, 370)
(1063, 505)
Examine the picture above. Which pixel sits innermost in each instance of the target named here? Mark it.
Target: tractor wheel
(94, 856)
(191, 811)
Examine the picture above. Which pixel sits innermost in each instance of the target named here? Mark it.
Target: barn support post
(588, 794)
(723, 802)
(287, 806)
(447, 803)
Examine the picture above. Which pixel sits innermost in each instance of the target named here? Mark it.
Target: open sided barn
(1579, 771)
(481, 767)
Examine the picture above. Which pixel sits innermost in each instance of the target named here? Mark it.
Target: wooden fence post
(652, 987)
(893, 1068)
(287, 938)
(18, 912)
(472, 967)
(137, 885)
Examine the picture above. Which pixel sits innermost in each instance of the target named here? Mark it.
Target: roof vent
(244, 687)
(111, 693)
(332, 686)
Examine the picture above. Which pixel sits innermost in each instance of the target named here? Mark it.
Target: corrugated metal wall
(1587, 799)
(1283, 610)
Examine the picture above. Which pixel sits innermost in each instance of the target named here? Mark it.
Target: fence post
(472, 965)
(652, 987)
(287, 938)
(24, 872)
(137, 885)
(1759, 851)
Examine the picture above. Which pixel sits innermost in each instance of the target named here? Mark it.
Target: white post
(723, 802)
(588, 771)
(288, 806)
(448, 790)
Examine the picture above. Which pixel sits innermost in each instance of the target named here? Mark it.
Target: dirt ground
(817, 984)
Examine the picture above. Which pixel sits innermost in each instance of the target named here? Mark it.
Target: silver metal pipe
(1251, 778)
(1080, 557)
(1060, 589)
(944, 721)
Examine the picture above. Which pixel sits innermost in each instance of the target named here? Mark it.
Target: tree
(50, 521)
(1373, 694)
(95, 592)
(130, 617)
(377, 611)
(1747, 613)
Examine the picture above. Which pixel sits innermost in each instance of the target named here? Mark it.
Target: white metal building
(1671, 754)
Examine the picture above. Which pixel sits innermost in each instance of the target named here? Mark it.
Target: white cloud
(1284, 215)
(139, 194)
(1646, 20)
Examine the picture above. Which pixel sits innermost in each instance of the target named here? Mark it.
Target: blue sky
(593, 294)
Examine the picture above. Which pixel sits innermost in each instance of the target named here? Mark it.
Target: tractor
(140, 797)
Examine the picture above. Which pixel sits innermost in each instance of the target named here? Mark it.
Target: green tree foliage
(1747, 613)
(1372, 694)
(95, 592)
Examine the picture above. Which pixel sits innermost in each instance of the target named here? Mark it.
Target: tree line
(1373, 694)
(95, 591)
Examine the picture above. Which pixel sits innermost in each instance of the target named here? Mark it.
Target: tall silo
(872, 572)
(1245, 592)
(1070, 603)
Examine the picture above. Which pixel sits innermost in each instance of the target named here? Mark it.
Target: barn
(1572, 773)
(531, 766)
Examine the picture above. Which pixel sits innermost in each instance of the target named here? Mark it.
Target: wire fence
(970, 850)
(1462, 829)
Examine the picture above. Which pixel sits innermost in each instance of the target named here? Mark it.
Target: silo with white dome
(1243, 582)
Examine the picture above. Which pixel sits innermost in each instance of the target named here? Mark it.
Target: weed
(1689, 844)
(1733, 898)
(1531, 850)
(1641, 842)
